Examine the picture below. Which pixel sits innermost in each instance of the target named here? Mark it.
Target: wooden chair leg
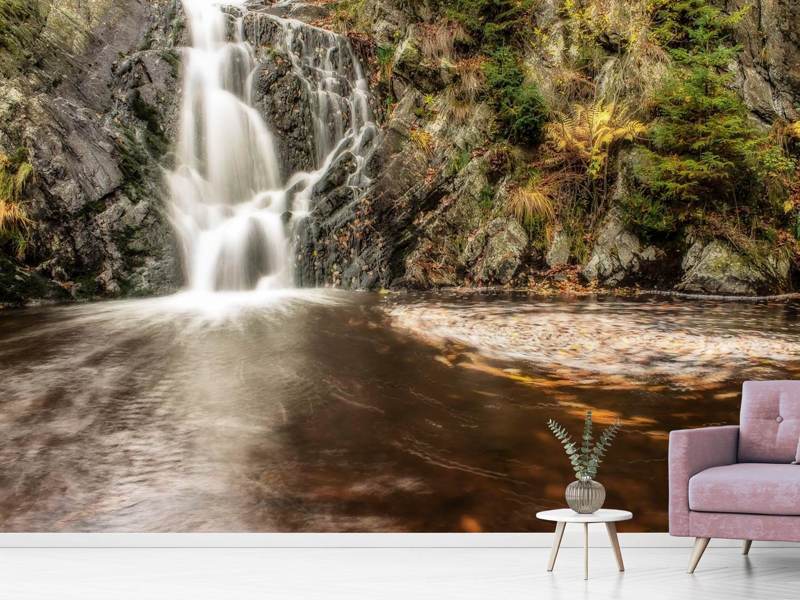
(556, 545)
(746, 547)
(700, 545)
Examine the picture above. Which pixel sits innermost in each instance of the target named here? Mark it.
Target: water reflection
(321, 411)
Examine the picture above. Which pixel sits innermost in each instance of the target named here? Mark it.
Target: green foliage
(493, 35)
(491, 23)
(646, 214)
(459, 161)
(538, 229)
(385, 54)
(520, 107)
(586, 458)
(797, 226)
(525, 115)
(350, 15)
(503, 72)
(486, 197)
(155, 138)
(20, 23)
(704, 151)
(684, 26)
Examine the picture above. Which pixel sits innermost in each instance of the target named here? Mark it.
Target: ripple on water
(686, 344)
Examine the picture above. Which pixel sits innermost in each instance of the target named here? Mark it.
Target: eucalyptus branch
(586, 458)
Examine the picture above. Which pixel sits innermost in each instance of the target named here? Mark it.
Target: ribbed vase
(585, 496)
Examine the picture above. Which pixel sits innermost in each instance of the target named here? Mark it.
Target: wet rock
(19, 285)
(363, 245)
(619, 257)
(335, 200)
(281, 97)
(343, 166)
(716, 268)
(431, 266)
(332, 192)
(94, 121)
(388, 22)
(260, 30)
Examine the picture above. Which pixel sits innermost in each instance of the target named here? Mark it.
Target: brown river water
(331, 411)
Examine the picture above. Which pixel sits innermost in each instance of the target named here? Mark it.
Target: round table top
(567, 515)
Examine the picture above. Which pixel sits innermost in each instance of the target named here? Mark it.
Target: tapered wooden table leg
(607, 516)
(612, 535)
(586, 551)
(556, 545)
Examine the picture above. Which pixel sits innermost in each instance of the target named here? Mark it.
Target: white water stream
(230, 207)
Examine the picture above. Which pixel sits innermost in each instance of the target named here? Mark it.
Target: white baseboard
(573, 538)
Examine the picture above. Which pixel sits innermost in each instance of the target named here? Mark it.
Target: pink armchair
(740, 482)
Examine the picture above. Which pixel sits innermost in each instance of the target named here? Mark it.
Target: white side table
(562, 516)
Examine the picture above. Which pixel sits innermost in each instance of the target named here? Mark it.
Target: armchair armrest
(692, 451)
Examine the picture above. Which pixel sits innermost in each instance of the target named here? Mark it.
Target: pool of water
(334, 411)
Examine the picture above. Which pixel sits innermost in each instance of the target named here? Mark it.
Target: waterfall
(231, 209)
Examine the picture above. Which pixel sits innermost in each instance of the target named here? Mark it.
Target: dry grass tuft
(456, 107)
(422, 140)
(471, 78)
(12, 217)
(439, 40)
(15, 174)
(535, 201)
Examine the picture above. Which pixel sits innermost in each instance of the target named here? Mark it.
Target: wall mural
(332, 266)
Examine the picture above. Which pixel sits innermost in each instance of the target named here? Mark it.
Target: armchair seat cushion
(751, 488)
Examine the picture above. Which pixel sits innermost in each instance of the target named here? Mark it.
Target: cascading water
(231, 210)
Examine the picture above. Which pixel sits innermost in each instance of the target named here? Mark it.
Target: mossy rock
(716, 268)
(19, 285)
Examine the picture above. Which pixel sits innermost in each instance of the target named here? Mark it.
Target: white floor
(389, 573)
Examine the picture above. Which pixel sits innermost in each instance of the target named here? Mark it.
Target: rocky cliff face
(94, 106)
(768, 68)
(90, 98)
(437, 213)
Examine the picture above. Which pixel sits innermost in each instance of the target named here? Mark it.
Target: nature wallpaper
(331, 266)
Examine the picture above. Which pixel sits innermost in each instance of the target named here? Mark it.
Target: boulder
(496, 251)
(560, 249)
(18, 285)
(410, 67)
(431, 265)
(619, 257)
(716, 268)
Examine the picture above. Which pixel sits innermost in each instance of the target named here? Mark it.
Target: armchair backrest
(769, 425)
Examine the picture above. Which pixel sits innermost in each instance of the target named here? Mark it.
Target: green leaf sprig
(586, 458)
